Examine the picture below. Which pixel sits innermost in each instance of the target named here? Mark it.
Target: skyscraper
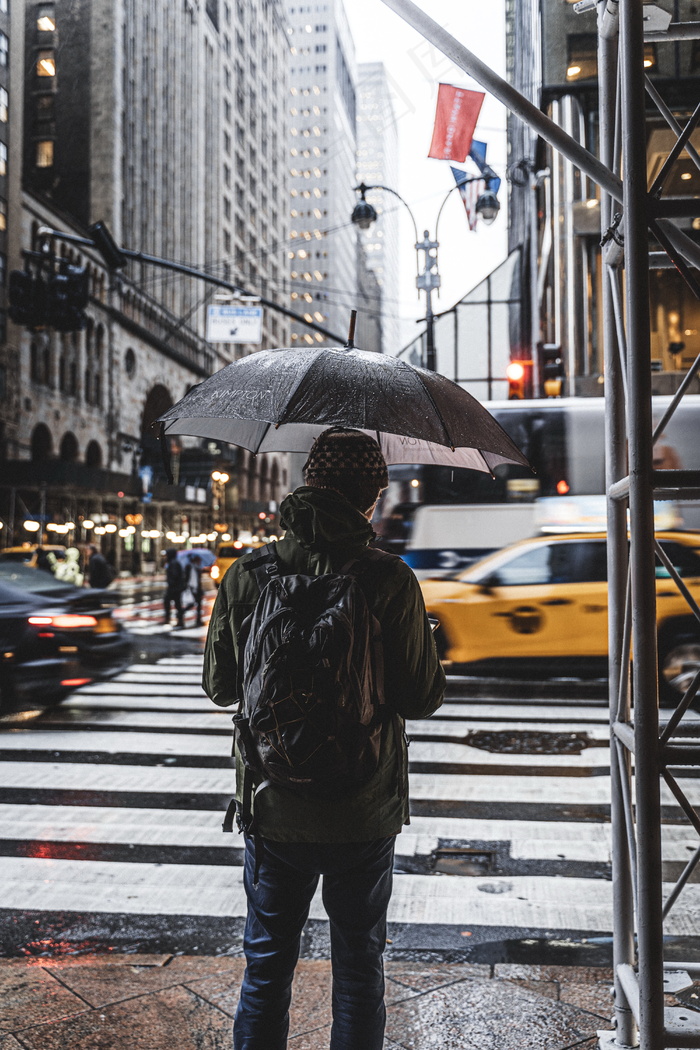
(321, 160)
(377, 164)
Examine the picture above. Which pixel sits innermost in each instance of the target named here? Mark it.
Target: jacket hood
(323, 520)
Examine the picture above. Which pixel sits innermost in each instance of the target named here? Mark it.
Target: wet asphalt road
(110, 812)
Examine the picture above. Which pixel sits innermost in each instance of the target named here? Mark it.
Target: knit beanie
(341, 458)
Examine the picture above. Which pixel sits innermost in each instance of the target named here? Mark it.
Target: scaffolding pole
(637, 735)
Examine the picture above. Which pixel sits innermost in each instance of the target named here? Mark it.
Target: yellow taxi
(541, 605)
(226, 554)
(33, 554)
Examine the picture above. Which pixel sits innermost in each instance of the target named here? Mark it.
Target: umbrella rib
(438, 413)
(294, 392)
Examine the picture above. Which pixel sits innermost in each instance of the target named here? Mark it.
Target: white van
(449, 537)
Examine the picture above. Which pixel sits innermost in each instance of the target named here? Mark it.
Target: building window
(3, 159)
(4, 105)
(4, 48)
(3, 214)
(227, 207)
(44, 107)
(46, 18)
(45, 61)
(44, 154)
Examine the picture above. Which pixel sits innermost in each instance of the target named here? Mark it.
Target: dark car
(54, 638)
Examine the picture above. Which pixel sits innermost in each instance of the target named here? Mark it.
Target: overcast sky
(415, 68)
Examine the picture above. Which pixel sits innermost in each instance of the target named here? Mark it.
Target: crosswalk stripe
(216, 890)
(137, 770)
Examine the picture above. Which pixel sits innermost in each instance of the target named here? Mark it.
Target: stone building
(161, 120)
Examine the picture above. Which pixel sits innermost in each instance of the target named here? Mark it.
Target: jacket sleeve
(220, 664)
(414, 680)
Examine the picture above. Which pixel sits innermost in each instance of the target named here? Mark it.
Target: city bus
(440, 519)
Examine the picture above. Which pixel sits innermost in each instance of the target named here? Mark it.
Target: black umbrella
(280, 400)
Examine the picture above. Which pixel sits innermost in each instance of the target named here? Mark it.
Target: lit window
(3, 159)
(44, 154)
(583, 56)
(45, 63)
(4, 102)
(46, 18)
(3, 214)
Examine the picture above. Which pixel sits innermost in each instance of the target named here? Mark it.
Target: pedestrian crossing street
(112, 803)
(145, 616)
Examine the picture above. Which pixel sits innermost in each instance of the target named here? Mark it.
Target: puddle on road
(528, 742)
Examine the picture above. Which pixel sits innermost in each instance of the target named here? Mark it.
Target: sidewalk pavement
(161, 1002)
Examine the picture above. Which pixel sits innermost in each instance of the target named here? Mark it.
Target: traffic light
(27, 296)
(516, 374)
(551, 369)
(68, 294)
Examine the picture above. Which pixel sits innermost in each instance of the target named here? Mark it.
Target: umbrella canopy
(206, 556)
(280, 400)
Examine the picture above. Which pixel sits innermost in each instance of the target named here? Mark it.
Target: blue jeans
(357, 880)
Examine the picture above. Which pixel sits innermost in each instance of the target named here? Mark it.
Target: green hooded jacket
(324, 531)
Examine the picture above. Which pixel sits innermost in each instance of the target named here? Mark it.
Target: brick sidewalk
(164, 1002)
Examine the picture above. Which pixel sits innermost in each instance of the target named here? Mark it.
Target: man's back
(324, 533)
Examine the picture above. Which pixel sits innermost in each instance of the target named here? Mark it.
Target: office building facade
(552, 58)
(377, 164)
(321, 162)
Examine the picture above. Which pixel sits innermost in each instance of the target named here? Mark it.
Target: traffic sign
(234, 324)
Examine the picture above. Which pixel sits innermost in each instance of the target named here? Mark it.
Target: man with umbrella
(347, 839)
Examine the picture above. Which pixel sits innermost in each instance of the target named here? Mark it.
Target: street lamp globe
(363, 214)
(488, 207)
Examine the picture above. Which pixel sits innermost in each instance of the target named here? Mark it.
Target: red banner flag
(455, 120)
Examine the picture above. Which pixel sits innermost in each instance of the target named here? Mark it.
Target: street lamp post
(427, 279)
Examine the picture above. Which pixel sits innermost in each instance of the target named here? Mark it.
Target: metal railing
(657, 748)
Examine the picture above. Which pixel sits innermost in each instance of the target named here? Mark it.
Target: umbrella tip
(350, 345)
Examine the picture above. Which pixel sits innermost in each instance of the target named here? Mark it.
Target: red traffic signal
(516, 374)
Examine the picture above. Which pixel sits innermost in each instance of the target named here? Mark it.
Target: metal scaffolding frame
(631, 211)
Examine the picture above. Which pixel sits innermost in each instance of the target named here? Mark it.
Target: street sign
(234, 324)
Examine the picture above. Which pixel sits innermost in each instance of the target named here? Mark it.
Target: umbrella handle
(350, 345)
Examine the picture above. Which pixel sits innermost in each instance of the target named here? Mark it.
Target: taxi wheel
(679, 662)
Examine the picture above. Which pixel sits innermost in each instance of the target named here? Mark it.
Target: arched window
(68, 451)
(41, 443)
(87, 386)
(62, 373)
(93, 455)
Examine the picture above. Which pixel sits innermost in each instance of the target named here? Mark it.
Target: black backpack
(310, 682)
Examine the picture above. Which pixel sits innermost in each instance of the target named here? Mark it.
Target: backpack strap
(264, 565)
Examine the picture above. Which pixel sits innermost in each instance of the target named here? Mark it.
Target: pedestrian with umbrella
(311, 800)
(321, 782)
